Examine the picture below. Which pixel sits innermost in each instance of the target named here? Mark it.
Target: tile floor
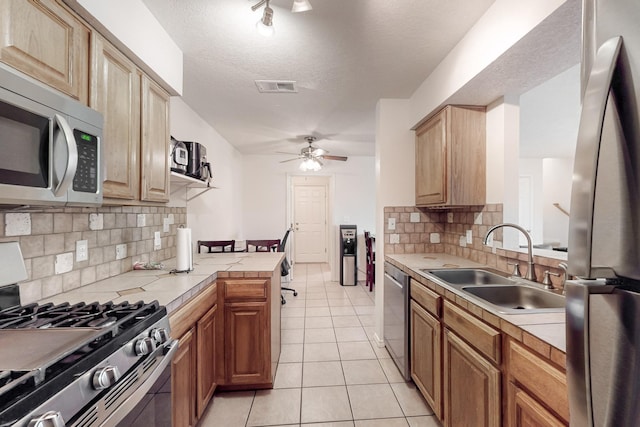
(331, 373)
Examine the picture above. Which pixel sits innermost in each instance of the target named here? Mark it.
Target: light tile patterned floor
(331, 373)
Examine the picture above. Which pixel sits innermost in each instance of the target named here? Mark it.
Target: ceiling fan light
(310, 165)
(301, 6)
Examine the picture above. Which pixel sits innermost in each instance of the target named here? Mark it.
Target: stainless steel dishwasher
(396, 317)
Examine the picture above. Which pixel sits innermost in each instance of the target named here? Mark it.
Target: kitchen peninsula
(225, 315)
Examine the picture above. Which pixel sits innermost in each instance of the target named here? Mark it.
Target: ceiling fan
(312, 155)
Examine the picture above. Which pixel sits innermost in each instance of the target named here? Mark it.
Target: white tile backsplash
(17, 224)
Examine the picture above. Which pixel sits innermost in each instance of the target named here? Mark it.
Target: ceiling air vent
(276, 86)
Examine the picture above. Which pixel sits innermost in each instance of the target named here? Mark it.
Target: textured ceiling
(344, 56)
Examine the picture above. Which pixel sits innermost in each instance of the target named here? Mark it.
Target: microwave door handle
(72, 157)
(583, 190)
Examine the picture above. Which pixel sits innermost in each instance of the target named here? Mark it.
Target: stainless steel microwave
(50, 146)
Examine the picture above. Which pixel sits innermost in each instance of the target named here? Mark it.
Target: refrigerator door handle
(587, 154)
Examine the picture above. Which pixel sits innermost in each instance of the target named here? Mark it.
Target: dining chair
(263, 245)
(370, 261)
(218, 245)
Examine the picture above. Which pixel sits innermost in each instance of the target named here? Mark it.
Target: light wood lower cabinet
(193, 369)
(246, 343)
(249, 334)
(206, 358)
(183, 377)
(426, 350)
(471, 386)
(44, 40)
(526, 411)
(538, 393)
(459, 361)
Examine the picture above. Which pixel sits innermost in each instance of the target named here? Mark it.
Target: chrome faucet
(531, 272)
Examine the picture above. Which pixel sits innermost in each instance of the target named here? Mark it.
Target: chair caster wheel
(295, 294)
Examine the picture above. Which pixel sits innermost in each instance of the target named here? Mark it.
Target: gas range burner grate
(93, 315)
(108, 328)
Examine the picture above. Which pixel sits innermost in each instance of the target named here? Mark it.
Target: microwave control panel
(86, 178)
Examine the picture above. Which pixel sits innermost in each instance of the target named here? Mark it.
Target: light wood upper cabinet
(43, 39)
(115, 92)
(155, 142)
(450, 158)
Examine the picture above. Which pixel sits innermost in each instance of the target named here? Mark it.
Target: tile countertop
(547, 327)
(171, 290)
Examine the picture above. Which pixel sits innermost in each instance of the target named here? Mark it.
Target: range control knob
(160, 335)
(105, 377)
(144, 346)
(48, 419)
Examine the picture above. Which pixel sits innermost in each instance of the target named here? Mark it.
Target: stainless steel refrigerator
(603, 306)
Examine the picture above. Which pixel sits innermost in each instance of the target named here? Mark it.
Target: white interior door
(310, 223)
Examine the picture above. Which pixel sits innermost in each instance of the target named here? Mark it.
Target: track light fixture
(301, 6)
(265, 24)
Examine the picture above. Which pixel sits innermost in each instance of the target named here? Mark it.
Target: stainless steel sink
(517, 298)
(469, 276)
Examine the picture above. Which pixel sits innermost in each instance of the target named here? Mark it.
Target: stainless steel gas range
(84, 365)
(79, 364)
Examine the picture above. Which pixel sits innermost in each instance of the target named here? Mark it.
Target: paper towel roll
(184, 252)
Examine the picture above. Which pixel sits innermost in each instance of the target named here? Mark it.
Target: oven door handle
(123, 410)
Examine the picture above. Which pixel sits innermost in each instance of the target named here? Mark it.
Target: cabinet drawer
(243, 289)
(543, 380)
(482, 336)
(428, 299)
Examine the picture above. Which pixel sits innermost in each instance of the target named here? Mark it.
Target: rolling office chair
(274, 246)
(285, 267)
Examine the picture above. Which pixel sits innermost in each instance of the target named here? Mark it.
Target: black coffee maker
(198, 166)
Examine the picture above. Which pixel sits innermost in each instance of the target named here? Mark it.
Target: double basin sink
(500, 293)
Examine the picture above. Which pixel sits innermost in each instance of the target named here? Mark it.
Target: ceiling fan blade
(290, 160)
(284, 152)
(340, 158)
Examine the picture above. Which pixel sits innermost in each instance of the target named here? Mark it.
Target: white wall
(533, 168)
(395, 178)
(266, 196)
(215, 215)
(504, 24)
(138, 31)
(265, 193)
(557, 176)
